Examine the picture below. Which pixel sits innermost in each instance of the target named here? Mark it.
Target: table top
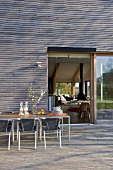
(30, 116)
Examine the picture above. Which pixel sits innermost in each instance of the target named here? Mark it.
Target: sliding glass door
(104, 87)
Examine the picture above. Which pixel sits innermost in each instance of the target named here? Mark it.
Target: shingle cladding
(77, 23)
(28, 27)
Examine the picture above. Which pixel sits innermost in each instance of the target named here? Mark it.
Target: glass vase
(34, 109)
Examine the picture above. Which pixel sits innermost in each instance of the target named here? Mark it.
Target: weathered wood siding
(28, 27)
(20, 49)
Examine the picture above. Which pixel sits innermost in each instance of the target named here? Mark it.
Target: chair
(27, 127)
(6, 129)
(85, 108)
(51, 126)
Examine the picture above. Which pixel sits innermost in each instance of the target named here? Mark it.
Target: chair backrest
(5, 126)
(26, 124)
(85, 106)
(50, 123)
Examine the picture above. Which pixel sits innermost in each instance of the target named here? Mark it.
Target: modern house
(44, 42)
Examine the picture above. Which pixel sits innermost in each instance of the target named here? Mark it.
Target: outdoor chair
(51, 126)
(27, 127)
(6, 129)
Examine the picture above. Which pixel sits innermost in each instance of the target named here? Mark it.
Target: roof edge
(71, 49)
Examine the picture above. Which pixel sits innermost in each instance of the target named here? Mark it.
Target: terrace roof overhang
(71, 49)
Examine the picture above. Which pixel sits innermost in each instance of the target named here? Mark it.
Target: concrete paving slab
(91, 148)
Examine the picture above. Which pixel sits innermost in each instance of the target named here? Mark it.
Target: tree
(65, 88)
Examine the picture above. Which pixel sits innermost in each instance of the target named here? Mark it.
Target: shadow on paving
(91, 147)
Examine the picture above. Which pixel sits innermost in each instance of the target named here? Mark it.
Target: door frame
(93, 88)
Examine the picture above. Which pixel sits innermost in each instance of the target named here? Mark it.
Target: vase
(34, 109)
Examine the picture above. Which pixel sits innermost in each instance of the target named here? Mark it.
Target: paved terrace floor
(91, 148)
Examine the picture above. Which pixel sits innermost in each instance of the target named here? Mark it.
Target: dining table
(37, 117)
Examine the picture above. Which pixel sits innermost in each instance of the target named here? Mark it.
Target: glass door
(104, 87)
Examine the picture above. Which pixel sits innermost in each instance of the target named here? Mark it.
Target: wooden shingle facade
(29, 27)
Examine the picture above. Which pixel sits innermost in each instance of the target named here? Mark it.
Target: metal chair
(27, 127)
(6, 129)
(50, 126)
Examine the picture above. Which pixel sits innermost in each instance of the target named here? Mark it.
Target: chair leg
(12, 130)
(19, 140)
(9, 141)
(60, 137)
(40, 130)
(44, 140)
(35, 139)
(89, 115)
(17, 129)
(82, 115)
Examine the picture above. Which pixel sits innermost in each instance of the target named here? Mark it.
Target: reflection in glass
(104, 85)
